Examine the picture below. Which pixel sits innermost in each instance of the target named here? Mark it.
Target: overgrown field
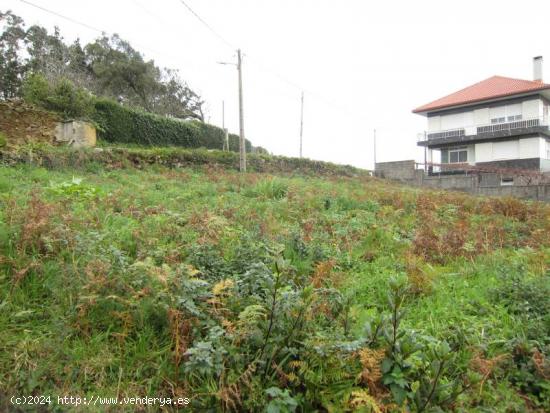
(254, 292)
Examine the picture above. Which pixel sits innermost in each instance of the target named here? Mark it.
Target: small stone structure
(76, 133)
(23, 123)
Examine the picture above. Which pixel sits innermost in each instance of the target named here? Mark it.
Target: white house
(499, 122)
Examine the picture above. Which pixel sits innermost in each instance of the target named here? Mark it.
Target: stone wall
(487, 184)
(398, 170)
(534, 192)
(22, 123)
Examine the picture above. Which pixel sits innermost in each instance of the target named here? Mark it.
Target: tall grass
(257, 291)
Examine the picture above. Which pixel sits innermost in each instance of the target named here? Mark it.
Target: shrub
(272, 188)
(62, 96)
(36, 89)
(119, 124)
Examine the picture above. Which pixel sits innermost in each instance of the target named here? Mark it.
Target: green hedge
(120, 124)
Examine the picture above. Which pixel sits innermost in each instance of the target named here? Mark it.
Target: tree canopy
(109, 67)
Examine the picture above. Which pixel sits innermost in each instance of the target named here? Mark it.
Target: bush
(36, 89)
(63, 96)
(3, 139)
(119, 124)
(272, 188)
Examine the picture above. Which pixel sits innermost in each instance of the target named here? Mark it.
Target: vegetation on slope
(252, 292)
(120, 156)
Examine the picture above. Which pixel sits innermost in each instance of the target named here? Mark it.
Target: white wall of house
(471, 154)
(434, 123)
(470, 119)
(484, 152)
(506, 150)
(453, 121)
(531, 148)
(513, 149)
(481, 116)
(545, 149)
(532, 108)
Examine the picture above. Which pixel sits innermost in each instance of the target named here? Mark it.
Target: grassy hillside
(133, 156)
(253, 292)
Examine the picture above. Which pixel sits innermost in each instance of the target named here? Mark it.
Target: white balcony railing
(484, 129)
(518, 124)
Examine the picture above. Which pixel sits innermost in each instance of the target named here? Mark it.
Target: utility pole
(301, 122)
(242, 146)
(226, 139)
(223, 123)
(242, 141)
(226, 133)
(374, 150)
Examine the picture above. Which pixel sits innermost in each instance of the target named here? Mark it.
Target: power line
(62, 16)
(214, 32)
(149, 13)
(104, 32)
(259, 64)
(272, 71)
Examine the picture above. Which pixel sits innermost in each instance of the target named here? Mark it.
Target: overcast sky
(363, 64)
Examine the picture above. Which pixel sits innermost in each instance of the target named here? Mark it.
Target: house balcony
(484, 132)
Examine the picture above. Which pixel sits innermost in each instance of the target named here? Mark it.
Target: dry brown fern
(371, 374)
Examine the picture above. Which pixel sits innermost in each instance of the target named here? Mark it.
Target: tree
(11, 63)
(121, 71)
(47, 53)
(108, 67)
(176, 99)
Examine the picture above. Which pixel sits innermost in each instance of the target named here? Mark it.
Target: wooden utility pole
(242, 142)
(301, 122)
(226, 139)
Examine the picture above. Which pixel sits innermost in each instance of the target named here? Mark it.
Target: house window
(458, 155)
(504, 119)
(506, 181)
(514, 118)
(506, 113)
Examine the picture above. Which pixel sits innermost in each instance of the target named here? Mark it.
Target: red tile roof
(494, 87)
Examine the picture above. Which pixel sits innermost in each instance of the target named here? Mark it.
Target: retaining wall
(486, 184)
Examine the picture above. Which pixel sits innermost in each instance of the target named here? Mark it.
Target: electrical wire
(214, 32)
(262, 66)
(106, 32)
(259, 64)
(62, 16)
